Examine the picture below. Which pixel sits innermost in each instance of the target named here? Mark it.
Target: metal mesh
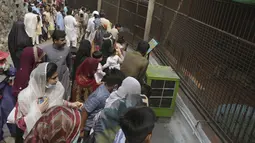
(210, 44)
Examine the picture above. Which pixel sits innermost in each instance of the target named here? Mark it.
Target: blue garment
(7, 103)
(95, 104)
(120, 137)
(60, 21)
(37, 10)
(65, 10)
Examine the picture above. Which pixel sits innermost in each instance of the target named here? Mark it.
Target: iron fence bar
(221, 12)
(235, 19)
(243, 24)
(118, 11)
(247, 26)
(217, 13)
(238, 22)
(210, 18)
(252, 130)
(225, 17)
(240, 125)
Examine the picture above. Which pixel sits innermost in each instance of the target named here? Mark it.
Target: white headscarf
(37, 88)
(129, 86)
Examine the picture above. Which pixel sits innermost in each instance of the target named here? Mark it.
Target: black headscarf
(106, 49)
(83, 53)
(17, 41)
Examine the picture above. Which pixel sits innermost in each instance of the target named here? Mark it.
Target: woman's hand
(43, 106)
(76, 105)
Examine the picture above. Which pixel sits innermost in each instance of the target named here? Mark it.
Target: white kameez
(30, 21)
(70, 29)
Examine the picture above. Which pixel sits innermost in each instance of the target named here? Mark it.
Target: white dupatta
(27, 98)
(129, 86)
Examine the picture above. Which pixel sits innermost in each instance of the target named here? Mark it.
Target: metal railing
(211, 45)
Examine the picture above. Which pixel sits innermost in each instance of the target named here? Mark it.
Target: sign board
(153, 43)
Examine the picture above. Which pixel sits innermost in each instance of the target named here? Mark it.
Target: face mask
(50, 86)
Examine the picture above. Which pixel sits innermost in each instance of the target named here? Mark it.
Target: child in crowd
(99, 74)
(137, 125)
(114, 61)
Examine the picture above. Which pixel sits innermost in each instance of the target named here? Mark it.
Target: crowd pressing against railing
(84, 86)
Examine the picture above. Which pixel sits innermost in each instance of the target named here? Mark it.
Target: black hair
(29, 9)
(58, 8)
(51, 69)
(69, 12)
(117, 25)
(83, 8)
(143, 47)
(102, 14)
(112, 51)
(96, 16)
(57, 34)
(121, 40)
(137, 123)
(97, 55)
(114, 77)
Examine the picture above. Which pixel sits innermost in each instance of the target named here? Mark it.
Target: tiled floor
(173, 130)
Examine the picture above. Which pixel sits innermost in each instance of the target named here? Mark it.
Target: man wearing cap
(90, 32)
(7, 101)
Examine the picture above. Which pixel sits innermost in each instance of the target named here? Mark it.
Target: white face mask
(48, 86)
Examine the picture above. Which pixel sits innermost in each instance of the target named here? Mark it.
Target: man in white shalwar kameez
(70, 29)
(91, 30)
(30, 21)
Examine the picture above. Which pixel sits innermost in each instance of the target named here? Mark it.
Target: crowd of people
(83, 87)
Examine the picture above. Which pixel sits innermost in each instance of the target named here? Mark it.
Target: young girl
(114, 60)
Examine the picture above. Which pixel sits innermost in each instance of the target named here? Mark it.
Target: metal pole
(118, 12)
(99, 5)
(149, 20)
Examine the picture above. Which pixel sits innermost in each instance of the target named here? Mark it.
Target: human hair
(114, 77)
(137, 123)
(97, 55)
(121, 40)
(58, 34)
(143, 47)
(117, 25)
(58, 8)
(51, 69)
(83, 8)
(29, 9)
(69, 12)
(112, 51)
(96, 16)
(102, 14)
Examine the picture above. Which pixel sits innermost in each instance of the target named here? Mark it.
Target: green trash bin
(165, 84)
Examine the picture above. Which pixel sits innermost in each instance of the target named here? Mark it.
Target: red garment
(85, 73)
(28, 61)
(58, 124)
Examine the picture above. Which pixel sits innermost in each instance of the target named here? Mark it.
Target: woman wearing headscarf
(107, 121)
(30, 57)
(83, 53)
(85, 82)
(63, 128)
(107, 46)
(17, 41)
(44, 91)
